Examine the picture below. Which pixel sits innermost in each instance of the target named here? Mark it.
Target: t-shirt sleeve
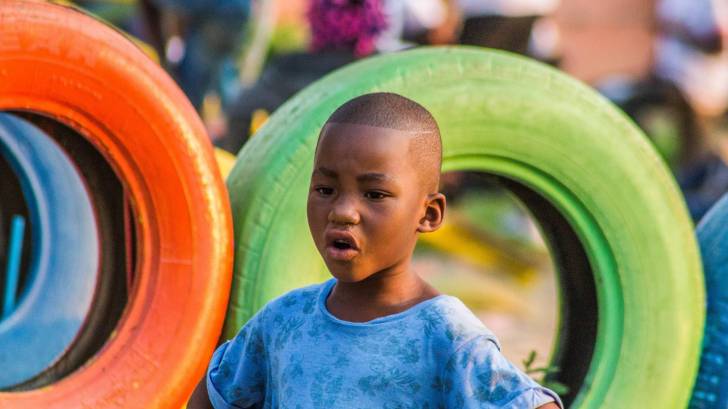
(236, 377)
(477, 375)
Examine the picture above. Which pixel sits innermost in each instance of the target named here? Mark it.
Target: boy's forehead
(361, 148)
(371, 144)
(353, 130)
(357, 138)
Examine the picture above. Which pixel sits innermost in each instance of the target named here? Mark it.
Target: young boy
(376, 335)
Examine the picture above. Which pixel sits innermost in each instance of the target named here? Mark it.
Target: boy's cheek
(314, 222)
(317, 237)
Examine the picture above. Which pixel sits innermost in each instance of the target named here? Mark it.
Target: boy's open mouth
(341, 246)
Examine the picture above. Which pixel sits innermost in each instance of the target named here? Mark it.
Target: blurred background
(664, 62)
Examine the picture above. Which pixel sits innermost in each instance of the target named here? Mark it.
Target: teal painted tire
(579, 164)
(711, 387)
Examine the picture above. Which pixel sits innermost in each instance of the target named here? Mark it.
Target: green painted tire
(624, 244)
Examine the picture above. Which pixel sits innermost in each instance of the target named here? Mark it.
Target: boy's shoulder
(448, 321)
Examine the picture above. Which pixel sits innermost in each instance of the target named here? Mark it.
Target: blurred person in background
(198, 41)
(690, 51)
(420, 22)
(509, 25)
(686, 88)
(342, 31)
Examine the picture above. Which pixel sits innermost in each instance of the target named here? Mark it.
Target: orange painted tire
(61, 63)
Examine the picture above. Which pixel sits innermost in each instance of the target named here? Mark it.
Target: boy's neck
(378, 296)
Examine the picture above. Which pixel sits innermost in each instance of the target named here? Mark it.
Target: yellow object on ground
(459, 239)
(225, 161)
(259, 118)
(148, 49)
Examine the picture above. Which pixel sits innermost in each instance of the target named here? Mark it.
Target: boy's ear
(434, 212)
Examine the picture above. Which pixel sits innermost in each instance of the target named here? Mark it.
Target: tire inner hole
(117, 231)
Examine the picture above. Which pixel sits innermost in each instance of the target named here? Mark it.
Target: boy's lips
(341, 245)
(336, 254)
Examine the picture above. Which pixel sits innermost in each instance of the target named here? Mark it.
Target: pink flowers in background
(346, 24)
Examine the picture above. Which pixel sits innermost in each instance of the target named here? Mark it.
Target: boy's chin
(347, 275)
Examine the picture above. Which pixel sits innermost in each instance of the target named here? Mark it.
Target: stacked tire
(97, 89)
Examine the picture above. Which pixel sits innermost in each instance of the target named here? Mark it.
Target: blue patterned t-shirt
(294, 354)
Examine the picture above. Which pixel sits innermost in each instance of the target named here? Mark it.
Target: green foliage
(545, 371)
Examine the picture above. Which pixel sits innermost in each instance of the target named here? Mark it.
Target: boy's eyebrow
(326, 172)
(366, 177)
(373, 177)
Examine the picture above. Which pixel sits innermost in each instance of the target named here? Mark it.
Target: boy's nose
(343, 212)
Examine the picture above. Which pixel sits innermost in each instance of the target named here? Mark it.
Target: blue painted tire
(711, 387)
(64, 263)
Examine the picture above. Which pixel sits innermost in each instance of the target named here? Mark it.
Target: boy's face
(366, 202)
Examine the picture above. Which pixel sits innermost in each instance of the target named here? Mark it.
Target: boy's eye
(324, 191)
(374, 195)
